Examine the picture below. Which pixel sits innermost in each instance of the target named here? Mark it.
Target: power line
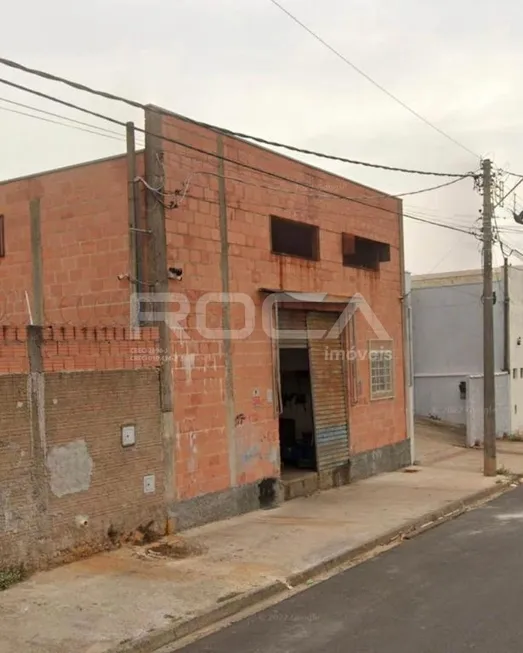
(441, 224)
(138, 105)
(426, 190)
(338, 54)
(232, 161)
(57, 115)
(363, 196)
(508, 193)
(52, 98)
(461, 229)
(57, 122)
(513, 250)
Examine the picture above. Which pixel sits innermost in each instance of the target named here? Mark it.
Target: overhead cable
(232, 161)
(61, 117)
(338, 54)
(139, 105)
(63, 124)
(431, 188)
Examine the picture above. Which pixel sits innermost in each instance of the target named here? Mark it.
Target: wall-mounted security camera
(175, 273)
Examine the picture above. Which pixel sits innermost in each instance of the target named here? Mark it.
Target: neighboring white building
(447, 323)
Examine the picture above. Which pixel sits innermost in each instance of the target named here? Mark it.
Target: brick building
(243, 240)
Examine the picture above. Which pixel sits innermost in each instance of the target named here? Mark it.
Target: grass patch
(11, 576)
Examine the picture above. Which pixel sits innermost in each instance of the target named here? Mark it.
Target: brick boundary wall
(67, 348)
(68, 486)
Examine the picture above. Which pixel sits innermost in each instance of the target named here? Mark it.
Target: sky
(244, 65)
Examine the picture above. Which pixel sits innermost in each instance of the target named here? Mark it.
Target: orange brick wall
(81, 349)
(194, 243)
(85, 244)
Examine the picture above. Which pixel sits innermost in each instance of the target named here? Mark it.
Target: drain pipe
(506, 317)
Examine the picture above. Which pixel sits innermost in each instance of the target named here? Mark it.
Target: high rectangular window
(363, 253)
(381, 369)
(292, 238)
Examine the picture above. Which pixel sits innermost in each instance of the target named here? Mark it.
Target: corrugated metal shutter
(290, 320)
(329, 393)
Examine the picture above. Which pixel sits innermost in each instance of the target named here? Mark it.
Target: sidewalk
(129, 600)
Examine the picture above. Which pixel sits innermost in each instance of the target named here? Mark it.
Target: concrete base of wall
(377, 461)
(222, 505)
(246, 498)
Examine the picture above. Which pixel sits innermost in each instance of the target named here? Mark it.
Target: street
(456, 588)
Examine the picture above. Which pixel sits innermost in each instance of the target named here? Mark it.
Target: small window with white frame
(381, 362)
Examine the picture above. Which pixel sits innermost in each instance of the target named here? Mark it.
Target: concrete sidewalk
(132, 600)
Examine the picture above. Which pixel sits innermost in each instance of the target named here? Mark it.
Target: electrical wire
(232, 161)
(508, 193)
(513, 250)
(431, 188)
(139, 105)
(57, 115)
(56, 122)
(320, 194)
(325, 192)
(347, 61)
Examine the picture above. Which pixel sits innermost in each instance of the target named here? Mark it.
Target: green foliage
(11, 576)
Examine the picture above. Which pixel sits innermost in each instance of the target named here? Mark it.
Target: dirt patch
(177, 549)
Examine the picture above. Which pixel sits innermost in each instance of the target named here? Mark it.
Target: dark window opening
(361, 252)
(292, 238)
(2, 237)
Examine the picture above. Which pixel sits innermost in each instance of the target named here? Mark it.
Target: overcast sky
(245, 65)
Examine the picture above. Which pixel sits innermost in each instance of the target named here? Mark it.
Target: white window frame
(381, 369)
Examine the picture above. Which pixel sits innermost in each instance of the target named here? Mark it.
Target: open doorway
(297, 442)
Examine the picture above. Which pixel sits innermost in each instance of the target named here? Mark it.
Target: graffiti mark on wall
(239, 419)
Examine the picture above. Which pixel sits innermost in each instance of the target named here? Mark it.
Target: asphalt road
(458, 587)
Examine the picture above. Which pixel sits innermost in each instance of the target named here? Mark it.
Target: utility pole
(489, 389)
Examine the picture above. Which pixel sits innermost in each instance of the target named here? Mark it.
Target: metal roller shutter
(290, 321)
(329, 394)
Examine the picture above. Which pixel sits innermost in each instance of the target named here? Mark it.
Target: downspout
(506, 317)
(506, 336)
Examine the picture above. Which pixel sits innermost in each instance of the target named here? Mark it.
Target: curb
(156, 640)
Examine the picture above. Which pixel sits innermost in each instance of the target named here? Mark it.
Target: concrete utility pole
(489, 390)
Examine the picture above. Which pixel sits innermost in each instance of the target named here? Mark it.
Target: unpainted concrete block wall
(68, 487)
